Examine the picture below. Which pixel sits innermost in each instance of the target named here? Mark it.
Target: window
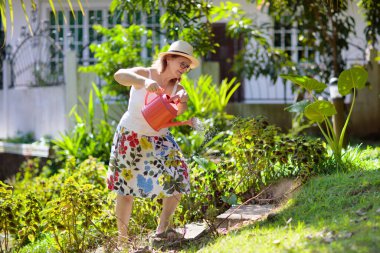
(287, 37)
(78, 33)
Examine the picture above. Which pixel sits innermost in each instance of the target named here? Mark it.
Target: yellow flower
(172, 162)
(172, 154)
(127, 174)
(165, 178)
(168, 178)
(161, 180)
(145, 144)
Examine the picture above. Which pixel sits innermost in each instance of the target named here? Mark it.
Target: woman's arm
(133, 76)
(182, 107)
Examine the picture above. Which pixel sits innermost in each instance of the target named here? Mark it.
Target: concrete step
(237, 214)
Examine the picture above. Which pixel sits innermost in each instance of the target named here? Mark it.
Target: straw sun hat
(184, 49)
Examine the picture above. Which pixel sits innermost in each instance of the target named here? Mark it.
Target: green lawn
(332, 213)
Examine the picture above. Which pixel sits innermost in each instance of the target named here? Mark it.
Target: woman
(144, 162)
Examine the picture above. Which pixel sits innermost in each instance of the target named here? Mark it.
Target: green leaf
(298, 107)
(308, 83)
(31, 237)
(318, 110)
(26, 16)
(355, 77)
(231, 200)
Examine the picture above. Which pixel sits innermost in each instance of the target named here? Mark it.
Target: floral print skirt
(146, 166)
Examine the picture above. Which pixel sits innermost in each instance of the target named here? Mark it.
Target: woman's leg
(123, 214)
(169, 205)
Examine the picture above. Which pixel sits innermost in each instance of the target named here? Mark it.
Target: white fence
(263, 91)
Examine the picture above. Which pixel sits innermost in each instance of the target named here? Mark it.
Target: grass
(331, 213)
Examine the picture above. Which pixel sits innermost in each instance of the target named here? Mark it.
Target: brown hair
(162, 62)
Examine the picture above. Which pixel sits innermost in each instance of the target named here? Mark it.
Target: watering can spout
(178, 123)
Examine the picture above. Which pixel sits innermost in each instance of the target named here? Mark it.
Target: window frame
(97, 6)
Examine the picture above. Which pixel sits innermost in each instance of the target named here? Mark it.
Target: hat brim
(194, 61)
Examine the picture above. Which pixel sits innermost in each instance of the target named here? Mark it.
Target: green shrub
(71, 217)
(9, 216)
(71, 206)
(258, 153)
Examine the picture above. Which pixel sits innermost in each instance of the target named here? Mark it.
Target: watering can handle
(170, 99)
(176, 97)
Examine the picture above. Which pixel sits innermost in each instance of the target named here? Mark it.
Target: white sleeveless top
(133, 119)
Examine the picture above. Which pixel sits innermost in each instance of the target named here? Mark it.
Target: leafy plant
(22, 138)
(258, 153)
(9, 215)
(209, 183)
(187, 20)
(320, 111)
(70, 217)
(89, 137)
(74, 193)
(31, 227)
(5, 12)
(121, 49)
(208, 101)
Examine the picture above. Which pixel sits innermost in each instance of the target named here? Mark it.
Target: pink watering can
(160, 112)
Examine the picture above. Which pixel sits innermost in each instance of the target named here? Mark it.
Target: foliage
(208, 100)
(22, 138)
(71, 207)
(121, 49)
(187, 20)
(209, 183)
(325, 26)
(372, 16)
(257, 57)
(191, 21)
(319, 111)
(258, 154)
(70, 216)
(89, 137)
(9, 215)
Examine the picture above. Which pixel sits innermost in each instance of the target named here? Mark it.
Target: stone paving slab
(235, 215)
(247, 212)
(193, 230)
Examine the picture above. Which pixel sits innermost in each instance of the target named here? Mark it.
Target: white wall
(38, 110)
(353, 55)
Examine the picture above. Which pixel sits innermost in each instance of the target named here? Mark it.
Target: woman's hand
(152, 86)
(182, 96)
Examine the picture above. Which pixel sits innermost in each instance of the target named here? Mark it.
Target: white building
(43, 110)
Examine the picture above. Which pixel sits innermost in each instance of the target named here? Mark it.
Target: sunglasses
(184, 65)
